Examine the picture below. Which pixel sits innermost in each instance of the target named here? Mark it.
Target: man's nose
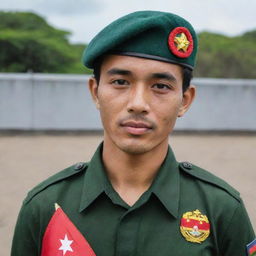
(138, 100)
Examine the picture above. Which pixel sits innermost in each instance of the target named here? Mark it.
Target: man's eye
(161, 86)
(120, 82)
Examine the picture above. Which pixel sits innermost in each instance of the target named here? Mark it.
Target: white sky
(84, 18)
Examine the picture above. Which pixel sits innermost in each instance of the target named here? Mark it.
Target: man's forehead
(128, 65)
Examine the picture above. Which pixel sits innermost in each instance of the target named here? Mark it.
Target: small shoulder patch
(64, 174)
(251, 248)
(206, 176)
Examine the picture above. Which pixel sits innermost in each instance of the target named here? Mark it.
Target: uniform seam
(33, 217)
(228, 226)
(41, 187)
(231, 191)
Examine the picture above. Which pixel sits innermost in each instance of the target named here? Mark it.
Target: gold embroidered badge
(182, 42)
(195, 226)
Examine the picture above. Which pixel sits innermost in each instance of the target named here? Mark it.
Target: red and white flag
(62, 238)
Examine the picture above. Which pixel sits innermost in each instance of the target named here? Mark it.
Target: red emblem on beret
(180, 42)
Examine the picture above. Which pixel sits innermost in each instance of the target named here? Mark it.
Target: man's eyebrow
(117, 71)
(165, 75)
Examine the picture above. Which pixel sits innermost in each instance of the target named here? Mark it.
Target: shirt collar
(95, 180)
(166, 185)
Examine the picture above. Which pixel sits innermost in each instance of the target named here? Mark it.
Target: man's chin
(135, 149)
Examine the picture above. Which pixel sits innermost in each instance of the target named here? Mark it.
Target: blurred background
(48, 121)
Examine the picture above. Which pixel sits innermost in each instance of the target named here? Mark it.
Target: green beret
(147, 34)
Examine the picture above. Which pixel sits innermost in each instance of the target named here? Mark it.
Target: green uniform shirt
(148, 228)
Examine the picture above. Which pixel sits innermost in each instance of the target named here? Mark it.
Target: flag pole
(56, 206)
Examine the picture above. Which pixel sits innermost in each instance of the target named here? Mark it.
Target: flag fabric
(251, 248)
(62, 238)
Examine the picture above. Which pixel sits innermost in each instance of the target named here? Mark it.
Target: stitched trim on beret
(153, 57)
(180, 42)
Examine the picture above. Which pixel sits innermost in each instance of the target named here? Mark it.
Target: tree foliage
(29, 43)
(229, 57)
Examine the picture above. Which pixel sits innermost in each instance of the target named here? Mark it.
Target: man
(133, 198)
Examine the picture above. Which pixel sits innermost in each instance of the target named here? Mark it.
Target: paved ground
(26, 160)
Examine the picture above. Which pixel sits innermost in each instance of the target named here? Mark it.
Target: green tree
(227, 57)
(28, 43)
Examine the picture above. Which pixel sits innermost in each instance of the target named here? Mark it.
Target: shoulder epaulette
(208, 177)
(64, 174)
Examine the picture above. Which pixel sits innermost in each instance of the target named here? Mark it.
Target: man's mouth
(136, 128)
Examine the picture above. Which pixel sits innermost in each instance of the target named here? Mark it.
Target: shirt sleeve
(26, 234)
(238, 234)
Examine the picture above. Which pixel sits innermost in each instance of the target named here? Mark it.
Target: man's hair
(187, 74)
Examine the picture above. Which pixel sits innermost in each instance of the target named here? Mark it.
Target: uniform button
(79, 166)
(187, 165)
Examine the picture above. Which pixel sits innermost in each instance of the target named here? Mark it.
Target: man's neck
(132, 174)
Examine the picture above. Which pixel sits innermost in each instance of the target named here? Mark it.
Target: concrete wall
(62, 102)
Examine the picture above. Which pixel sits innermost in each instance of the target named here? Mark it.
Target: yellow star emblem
(182, 42)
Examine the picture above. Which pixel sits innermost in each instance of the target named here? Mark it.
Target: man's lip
(135, 124)
(136, 127)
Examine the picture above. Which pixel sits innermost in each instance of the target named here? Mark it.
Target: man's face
(139, 101)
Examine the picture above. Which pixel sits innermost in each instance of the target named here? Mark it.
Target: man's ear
(188, 97)
(93, 87)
